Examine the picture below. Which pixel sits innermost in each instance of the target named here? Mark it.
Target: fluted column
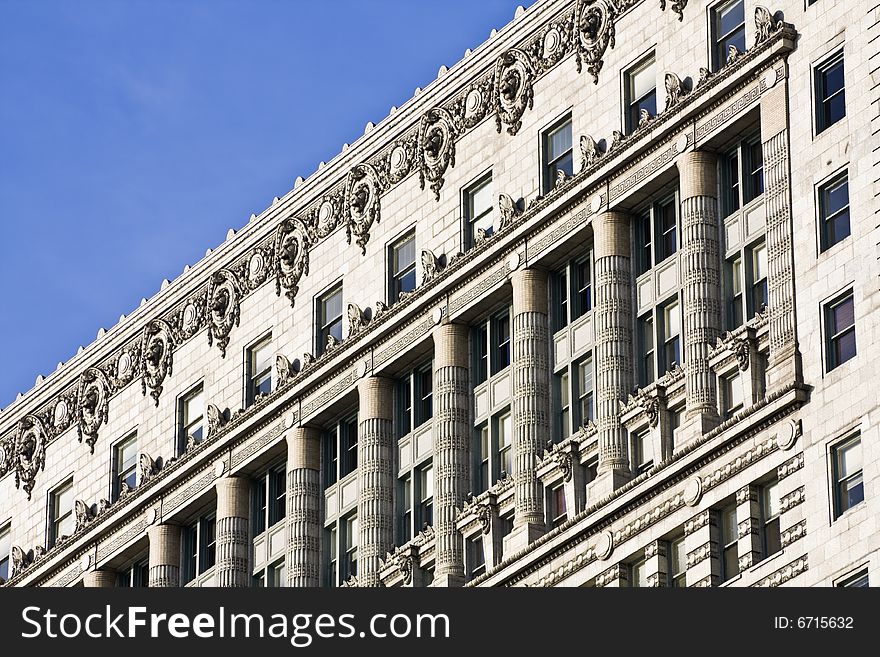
(303, 507)
(785, 364)
(100, 579)
(233, 535)
(376, 476)
(613, 320)
(451, 434)
(531, 403)
(701, 291)
(164, 559)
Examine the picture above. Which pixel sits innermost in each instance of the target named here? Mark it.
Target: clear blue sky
(134, 133)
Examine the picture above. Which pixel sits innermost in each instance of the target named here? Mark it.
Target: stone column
(451, 434)
(656, 564)
(748, 526)
(702, 549)
(613, 320)
(164, 559)
(785, 359)
(376, 476)
(303, 507)
(100, 579)
(233, 532)
(531, 403)
(701, 291)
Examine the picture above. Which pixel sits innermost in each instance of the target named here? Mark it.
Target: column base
(605, 484)
(448, 580)
(695, 427)
(521, 537)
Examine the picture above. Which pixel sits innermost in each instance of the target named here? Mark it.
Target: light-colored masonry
(683, 408)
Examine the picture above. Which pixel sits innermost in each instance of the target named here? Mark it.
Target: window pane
(404, 254)
(728, 525)
(504, 431)
(759, 255)
(672, 320)
(332, 306)
(833, 79)
(559, 141)
(842, 316)
(481, 199)
(642, 80)
(771, 500)
(730, 16)
(849, 459)
(127, 455)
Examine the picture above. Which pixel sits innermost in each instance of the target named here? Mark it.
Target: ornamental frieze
(224, 308)
(513, 93)
(30, 452)
(157, 357)
(362, 204)
(93, 405)
(593, 34)
(437, 134)
(291, 257)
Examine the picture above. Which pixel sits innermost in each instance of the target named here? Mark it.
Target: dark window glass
(754, 171)
(502, 343)
(125, 461)
(859, 580)
(644, 256)
(834, 211)
(730, 552)
(331, 457)
(329, 318)
(770, 511)
(277, 495)
(403, 266)
(481, 351)
(560, 300)
(478, 209)
(424, 384)
(259, 367)
(349, 442)
(641, 93)
(849, 487)
(667, 236)
(584, 288)
(841, 329)
(557, 154)
(646, 340)
(830, 93)
(729, 30)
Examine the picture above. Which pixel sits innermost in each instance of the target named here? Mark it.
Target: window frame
(719, 54)
(823, 189)
(771, 534)
(135, 576)
(728, 543)
(116, 475)
(854, 579)
(549, 168)
(255, 380)
(741, 178)
(415, 399)
(677, 579)
(571, 297)
(184, 425)
(56, 520)
(831, 339)
(648, 233)
(268, 498)
(339, 449)
(324, 326)
(396, 275)
(471, 223)
(820, 99)
(199, 547)
(835, 450)
(489, 454)
(632, 104)
(341, 549)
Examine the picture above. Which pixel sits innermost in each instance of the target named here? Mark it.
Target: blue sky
(133, 134)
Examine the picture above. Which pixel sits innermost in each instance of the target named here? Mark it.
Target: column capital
(611, 234)
(529, 290)
(450, 345)
(698, 174)
(304, 448)
(100, 579)
(374, 393)
(233, 497)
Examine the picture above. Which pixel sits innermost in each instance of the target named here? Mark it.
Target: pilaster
(303, 563)
(164, 557)
(233, 532)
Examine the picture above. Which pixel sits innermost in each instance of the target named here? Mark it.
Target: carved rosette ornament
(474, 104)
(508, 211)
(675, 90)
(437, 135)
(257, 269)
(30, 452)
(326, 217)
(291, 257)
(224, 308)
(362, 190)
(157, 357)
(513, 93)
(93, 405)
(594, 32)
(765, 26)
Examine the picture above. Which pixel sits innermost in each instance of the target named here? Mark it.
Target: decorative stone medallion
(362, 191)
(437, 135)
(291, 259)
(594, 32)
(93, 405)
(257, 269)
(327, 220)
(30, 452)
(513, 94)
(224, 308)
(604, 545)
(157, 357)
(693, 491)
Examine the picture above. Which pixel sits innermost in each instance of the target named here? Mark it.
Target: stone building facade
(590, 309)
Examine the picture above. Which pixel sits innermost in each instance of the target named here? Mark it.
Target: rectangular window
(559, 297)
(125, 460)
(557, 503)
(350, 545)
(481, 353)
(259, 369)
(734, 273)
(564, 417)
(840, 330)
(677, 563)
(671, 332)
(646, 350)
(742, 175)
(644, 244)
(329, 319)
(5, 551)
(500, 343)
(639, 574)
(199, 548)
(426, 495)
(729, 550)
(847, 469)
(830, 92)
(419, 386)
(759, 279)
(640, 92)
(406, 515)
(753, 174)
(478, 210)
(733, 394)
(728, 29)
(424, 392)
(340, 450)
(137, 576)
(666, 221)
(192, 418)
(557, 153)
(571, 292)
(858, 580)
(269, 497)
(643, 452)
(834, 211)
(482, 452)
(583, 298)
(476, 557)
(505, 445)
(403, 266)
(770, 534)
(586, 407)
